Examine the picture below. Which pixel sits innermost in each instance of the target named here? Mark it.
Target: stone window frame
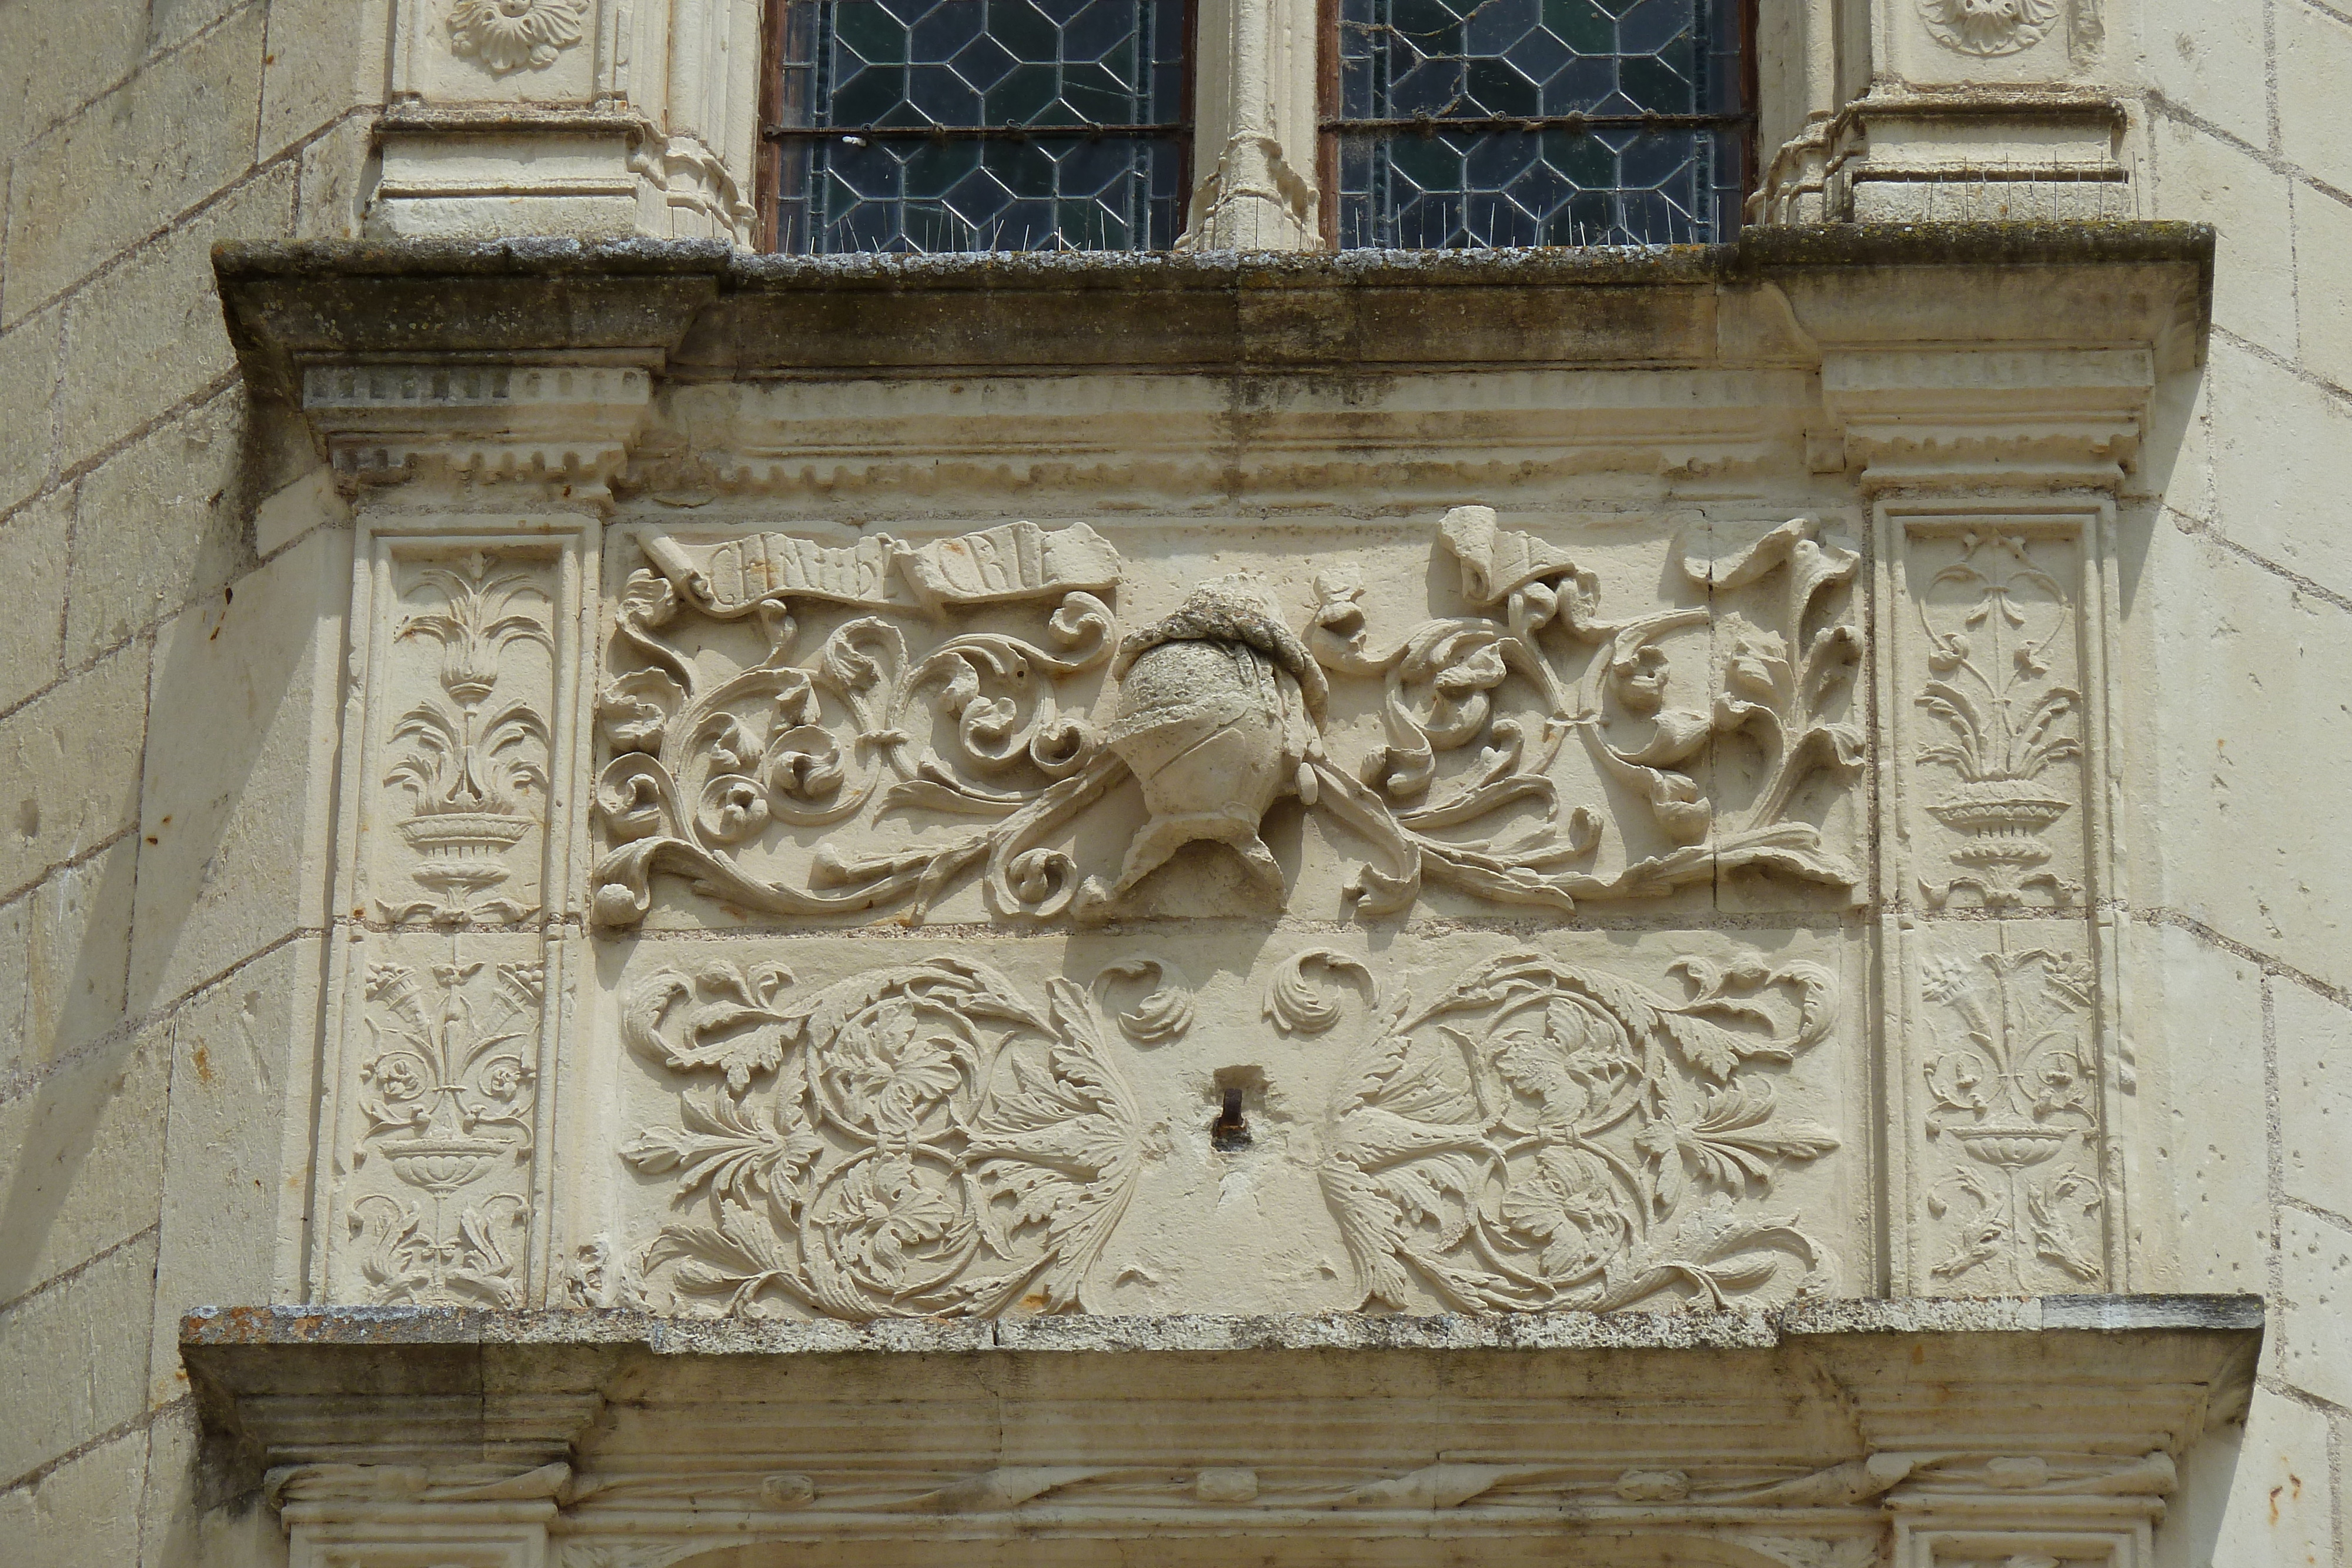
(1261, 77)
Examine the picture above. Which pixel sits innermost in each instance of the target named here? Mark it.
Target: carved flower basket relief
(1995, 625)
(470, 758)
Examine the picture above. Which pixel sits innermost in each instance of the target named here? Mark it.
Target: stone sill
(211, 1328)
(702, 310)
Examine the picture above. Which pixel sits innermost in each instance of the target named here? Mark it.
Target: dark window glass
(1511, 122)
(962, 125)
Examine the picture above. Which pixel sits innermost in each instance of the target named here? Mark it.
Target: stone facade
(641, 800)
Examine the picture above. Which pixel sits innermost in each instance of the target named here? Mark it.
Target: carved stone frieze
(934, 1137)
(1221, 711)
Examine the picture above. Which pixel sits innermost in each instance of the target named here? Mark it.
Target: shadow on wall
(219, 679)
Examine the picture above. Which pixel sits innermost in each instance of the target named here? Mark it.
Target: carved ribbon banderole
(996, 566)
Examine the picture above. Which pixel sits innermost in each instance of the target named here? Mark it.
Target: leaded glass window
(974, 125)
(1519, 122)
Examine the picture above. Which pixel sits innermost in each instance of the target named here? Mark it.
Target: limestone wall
(170, 708)
(2242, 612)
(170, 616)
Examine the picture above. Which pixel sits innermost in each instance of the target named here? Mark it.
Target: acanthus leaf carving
(448, 1097)
(1219, 714)
(2015, 1089)
(1546, 1137)
(915, 1141)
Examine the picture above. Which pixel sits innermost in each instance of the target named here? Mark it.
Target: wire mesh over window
(977, 125)
(1511, 123)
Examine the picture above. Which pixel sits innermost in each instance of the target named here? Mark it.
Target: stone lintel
(927, 1439)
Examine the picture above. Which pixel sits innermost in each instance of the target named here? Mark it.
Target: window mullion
(1254, 184)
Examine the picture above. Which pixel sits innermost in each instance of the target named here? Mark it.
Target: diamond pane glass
(960, 125)
(1650, 153)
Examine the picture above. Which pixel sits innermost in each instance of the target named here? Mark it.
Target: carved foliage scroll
(919, 1140)
(917, 703)
(1543, 1137)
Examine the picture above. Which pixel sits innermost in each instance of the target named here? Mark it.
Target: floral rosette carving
(1987, 28)
(2016, 1093)
(504, 36)
(1543, 1137)
(915, 1141)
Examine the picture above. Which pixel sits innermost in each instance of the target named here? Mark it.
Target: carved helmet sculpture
(1220, 709)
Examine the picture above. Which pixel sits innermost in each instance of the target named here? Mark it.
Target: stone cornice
(699, 310)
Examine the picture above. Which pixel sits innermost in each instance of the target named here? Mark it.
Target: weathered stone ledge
(699, 310)
(317, 1326)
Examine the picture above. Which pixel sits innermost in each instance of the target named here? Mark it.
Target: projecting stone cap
(293, 305)
(702, 311)
(1385, 1439)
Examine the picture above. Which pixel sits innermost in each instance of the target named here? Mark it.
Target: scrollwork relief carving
(1780, 685)
(446, 1096)
(2013, 1094)
(1220, 713)
(917, 1141)
(1546, 1137)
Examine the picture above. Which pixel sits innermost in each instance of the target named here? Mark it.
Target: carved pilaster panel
(456, 842)
(2008, 1069)
(1988, 640)
(2006, 1129)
